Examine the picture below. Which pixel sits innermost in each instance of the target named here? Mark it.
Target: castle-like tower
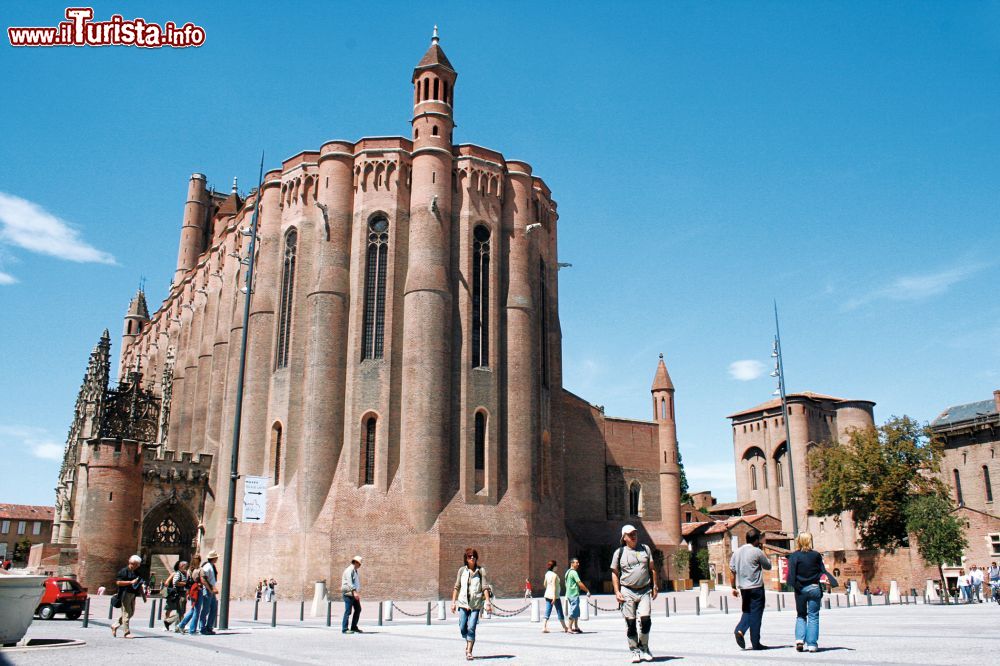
(670, 473)
(403, 386)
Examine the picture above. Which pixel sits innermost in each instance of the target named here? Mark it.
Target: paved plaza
(899, 634)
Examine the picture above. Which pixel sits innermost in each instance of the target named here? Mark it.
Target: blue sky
(707, 157)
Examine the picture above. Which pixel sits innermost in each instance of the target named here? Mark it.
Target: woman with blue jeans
(472, 593)
(195, 594)
(805, 567)
(552, 597)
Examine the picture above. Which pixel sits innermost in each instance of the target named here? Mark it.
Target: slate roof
(970, 411)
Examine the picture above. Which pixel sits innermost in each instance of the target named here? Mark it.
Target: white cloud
(917, 287)
(746, 370)
(35, 441)
(7, 278)
(29, 226)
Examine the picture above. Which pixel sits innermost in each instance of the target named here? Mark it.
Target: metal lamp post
(249, 260)
(779, 373)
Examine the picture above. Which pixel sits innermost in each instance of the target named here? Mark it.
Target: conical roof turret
(661, 381)
(434, 57)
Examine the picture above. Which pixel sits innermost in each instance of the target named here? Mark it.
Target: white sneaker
(646, 655)
(636, 656)
(811, 648)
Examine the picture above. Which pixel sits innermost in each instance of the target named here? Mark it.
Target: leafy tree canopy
(875, 476)
(685, 495)
(940, 533)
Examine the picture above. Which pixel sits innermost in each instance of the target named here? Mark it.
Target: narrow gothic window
(753, 477)
(436, 89)
(376, 258)
(634, 499)
(986, 480)
(781, 477)
(276, 453)
(763, 473)
(285, 312)
(544, 319)
(480, 441)
(481, 297)
(369, 451)
(663, 409)
(958, 488)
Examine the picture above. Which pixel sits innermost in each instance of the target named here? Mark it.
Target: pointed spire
(661, 381)
(137, 306)
(235, 190)
(434, 38)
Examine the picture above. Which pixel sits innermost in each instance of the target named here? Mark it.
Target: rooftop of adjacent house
(807, 395)
(26, 512)
(729, 506)
(970, 411)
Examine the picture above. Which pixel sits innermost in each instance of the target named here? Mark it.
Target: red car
(62, 595)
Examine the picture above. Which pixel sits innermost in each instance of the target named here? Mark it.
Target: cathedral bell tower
(427, 298)
(670, 473)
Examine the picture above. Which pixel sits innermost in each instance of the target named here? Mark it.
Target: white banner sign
(255, 498)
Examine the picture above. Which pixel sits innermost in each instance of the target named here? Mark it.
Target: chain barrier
(422, 613)
(593, 604)
(499, 612)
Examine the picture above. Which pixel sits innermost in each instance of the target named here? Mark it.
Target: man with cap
(210, 604)
(350, 587)
(633, 575)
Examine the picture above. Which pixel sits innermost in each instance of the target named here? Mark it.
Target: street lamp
(779, 373)
(247, 288)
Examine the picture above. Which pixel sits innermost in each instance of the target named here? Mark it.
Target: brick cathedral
(403, 388)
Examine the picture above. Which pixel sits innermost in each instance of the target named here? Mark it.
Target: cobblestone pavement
(906, 634)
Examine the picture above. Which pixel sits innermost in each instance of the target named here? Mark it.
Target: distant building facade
(970, 433)
(403, 388)
(761, 450)
(20, 523)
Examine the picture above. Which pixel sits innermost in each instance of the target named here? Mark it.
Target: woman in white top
(472, 593)
(553, 591)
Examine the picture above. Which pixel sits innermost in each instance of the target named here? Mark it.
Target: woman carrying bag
(472, 592)
(805, 568)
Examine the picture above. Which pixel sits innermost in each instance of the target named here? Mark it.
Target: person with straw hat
(350, 588)
(210, 602)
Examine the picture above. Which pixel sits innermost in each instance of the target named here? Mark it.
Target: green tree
(685, 495)
(875, 475)
(700, 562)
(21, 550)
(940, 534)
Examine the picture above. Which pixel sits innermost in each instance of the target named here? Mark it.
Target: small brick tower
(136, 317)
(112, 473)
(194, 228)
(670, 477)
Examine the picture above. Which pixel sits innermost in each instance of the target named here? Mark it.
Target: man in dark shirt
(130, 584)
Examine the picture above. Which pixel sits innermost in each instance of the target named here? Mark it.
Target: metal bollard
(329, 610)
(274, 613)
(886, 597)
(86, 613)
(152, 614)
(111, 610)
(584, 608)
(725, 603)
(388, 615)
(159, 610)
(302, 611)
(428, 613)
(534, 611)
(675, 604)
(256, 606)
(697, 606)
(666, 606)
(442, 613)
(381, 605)
(777, 602)
(837, 597)
(869, 599)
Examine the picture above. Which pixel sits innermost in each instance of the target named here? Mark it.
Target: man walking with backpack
(633, 576)
(746, 568)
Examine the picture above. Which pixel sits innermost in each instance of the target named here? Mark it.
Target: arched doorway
(169, 534)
